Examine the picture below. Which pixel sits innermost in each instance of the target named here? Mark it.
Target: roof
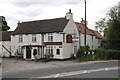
(82, 29)
(5, 35)
(89, 31)
(99, 35)
(41, 26)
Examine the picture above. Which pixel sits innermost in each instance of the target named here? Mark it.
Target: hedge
(84, 54)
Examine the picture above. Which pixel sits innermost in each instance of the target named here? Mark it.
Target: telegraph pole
(85, 25)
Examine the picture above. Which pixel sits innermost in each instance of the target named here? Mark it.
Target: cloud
(28, 10)
(24, 4)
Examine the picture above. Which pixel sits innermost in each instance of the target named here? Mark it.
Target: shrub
(99, 54)
(81, 52)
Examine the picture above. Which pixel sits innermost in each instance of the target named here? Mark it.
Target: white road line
(57, 75)
(106, 69)
(78, 72)
(85, 71)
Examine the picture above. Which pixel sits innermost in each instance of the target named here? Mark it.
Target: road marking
(106, 69)
(85, 71)
(57, 75)
(78, 72)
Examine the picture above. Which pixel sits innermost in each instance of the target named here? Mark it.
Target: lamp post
(85, 25)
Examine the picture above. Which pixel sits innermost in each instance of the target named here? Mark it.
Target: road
(96, 70)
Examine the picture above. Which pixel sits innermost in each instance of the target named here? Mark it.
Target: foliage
(101, 25)
(98, 54)
(81, 52)
(4, 26)
(113, 32)
(111, 28)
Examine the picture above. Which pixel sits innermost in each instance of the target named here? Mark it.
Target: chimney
(83, 21)
(96, 28)
(69, 15)
(18, 22)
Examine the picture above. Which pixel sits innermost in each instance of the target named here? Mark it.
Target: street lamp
(85, 25)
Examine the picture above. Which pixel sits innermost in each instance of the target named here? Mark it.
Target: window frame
(49, 50)
(20, 38)
(50, 37)
(34, 38)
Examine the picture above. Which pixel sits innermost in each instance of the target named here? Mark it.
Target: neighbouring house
(93, 38)
(5, 43)
(58, 38)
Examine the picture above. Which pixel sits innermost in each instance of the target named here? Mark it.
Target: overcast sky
(28, 10)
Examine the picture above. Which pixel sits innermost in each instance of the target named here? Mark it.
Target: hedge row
(99, 54)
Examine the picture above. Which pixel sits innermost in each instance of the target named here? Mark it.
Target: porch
(28, 51)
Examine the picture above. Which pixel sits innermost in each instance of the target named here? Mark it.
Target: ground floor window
(58, 51)
(75, 49)
(49, 50)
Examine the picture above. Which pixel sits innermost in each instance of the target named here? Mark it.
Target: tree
(3, 24)
(111, 28)
(113, 31)
(101, 25)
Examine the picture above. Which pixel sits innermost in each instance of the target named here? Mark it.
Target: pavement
(10, 65)
(0, 68)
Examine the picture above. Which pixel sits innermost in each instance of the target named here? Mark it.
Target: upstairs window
(68, 39)
(20, 38)
(50, 37)
(34, 39)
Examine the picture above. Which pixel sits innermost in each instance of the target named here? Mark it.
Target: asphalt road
(39, 73)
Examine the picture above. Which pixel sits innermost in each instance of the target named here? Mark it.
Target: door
(28, 52)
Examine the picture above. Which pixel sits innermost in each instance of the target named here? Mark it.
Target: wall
(93, 44)
(68, 48)
(27, 40)
(3, 51)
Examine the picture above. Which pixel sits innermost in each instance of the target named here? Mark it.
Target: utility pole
(85, 25)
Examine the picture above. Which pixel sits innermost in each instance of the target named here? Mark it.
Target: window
(99, 41)
(58, 51)
(20, 38)
(92, 37)
(50, 37)
(75, 49)
(49, 50)
(34, 38)
(68, 39)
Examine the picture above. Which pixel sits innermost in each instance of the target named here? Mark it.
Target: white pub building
(59, 38)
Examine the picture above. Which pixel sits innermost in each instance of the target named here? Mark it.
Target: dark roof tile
(41, 26)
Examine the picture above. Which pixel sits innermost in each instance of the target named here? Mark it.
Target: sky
(29, 10)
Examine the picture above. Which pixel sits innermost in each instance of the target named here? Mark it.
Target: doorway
(28, 52)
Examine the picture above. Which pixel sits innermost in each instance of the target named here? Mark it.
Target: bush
(99, 54)
(81, 52)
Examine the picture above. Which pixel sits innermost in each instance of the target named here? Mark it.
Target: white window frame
(75, 49)
(49, 50)
(20, 38)
(50, 37)
(34, 38)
